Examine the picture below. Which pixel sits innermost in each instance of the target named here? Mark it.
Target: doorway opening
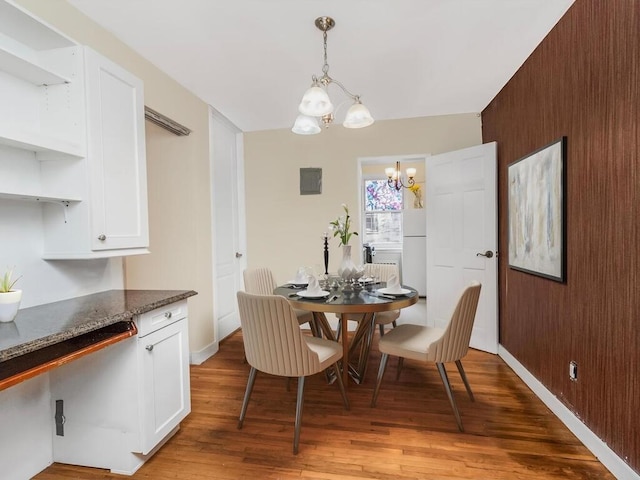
(393, 222)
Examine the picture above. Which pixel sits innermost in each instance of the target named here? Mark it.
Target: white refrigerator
(414, 249)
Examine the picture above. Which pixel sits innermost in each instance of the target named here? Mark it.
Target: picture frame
(537, 212)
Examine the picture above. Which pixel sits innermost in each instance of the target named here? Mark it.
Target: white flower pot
(9, 304)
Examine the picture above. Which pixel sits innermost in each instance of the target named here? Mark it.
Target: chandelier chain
(325, 67)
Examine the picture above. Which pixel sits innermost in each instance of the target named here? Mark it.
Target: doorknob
(487, 254)
(238, 255)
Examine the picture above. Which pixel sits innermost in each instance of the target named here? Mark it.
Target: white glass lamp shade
(390, 172)
(315, 102)
(358, 116)
(411, 172)
(305, 125)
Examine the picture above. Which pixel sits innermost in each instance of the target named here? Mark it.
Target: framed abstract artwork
(537, 212)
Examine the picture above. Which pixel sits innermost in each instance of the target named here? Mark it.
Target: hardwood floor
(411, 434)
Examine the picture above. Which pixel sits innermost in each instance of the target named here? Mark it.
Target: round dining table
(366, 301)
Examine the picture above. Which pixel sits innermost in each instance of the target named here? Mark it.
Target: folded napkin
(313, 287)
(393, 284)
(301, 275)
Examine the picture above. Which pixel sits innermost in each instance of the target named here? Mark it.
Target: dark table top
(44, 325)
(362, 301)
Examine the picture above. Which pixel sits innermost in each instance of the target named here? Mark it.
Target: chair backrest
(454, 342)
(259, 281)
(381, 270)
(273, 341)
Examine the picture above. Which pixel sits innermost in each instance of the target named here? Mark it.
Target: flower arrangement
(341, 226)
(6, 284)
(417, 191)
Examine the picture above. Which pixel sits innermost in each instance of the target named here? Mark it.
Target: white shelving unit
(42, 119)
(71, 133)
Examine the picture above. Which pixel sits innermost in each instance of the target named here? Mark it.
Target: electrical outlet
(573, 371)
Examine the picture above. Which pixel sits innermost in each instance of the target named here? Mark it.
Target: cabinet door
(116, 155)
(166, 398)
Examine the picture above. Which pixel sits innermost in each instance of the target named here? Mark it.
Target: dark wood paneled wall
(583, 81)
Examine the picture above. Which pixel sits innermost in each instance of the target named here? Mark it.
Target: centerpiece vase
(347, 268)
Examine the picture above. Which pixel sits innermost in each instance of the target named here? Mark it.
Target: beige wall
(284, 228)
(178, 175)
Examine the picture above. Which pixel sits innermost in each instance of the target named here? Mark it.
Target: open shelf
(38, 143)
(28, 70)
(37, 198)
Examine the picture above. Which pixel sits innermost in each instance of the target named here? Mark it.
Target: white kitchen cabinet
(72, 139)
(114, 220)
(163, 354)
(123, 402)
(116, 152)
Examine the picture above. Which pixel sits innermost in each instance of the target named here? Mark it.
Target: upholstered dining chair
(274, 344)
(431, 344)
(261, 281)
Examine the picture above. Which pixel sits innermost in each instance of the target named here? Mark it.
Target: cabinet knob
(149, 347)
(167, 314)
(102, 237)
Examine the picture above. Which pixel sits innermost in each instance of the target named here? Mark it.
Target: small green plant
(341, 227)
(6, 284)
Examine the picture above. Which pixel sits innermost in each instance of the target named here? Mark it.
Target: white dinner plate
(386, 291)
(320, 294)
(297, 284)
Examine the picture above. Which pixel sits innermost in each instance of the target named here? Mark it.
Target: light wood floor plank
(411, 434)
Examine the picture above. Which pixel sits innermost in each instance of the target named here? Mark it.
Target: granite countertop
(44, 325)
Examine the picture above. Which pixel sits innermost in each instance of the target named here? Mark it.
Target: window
(382, 215)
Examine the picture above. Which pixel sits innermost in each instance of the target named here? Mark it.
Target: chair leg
(464, 379)
(447, 387)
(394, 323)
(315, 331)
(381, 369)
(381, 328)
(340, 383)
(299, 405)
(247, 395)
(399, 369)
(338, 330)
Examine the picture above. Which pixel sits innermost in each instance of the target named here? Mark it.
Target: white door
(462, 237)
(228, 222)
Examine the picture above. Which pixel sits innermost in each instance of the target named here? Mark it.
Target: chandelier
(394, 177)
(316, 103)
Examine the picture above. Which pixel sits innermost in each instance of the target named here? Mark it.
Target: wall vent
(165, 122)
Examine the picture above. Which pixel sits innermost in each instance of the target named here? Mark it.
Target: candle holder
(326, 253)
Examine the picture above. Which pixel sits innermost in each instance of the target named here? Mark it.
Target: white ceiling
(253, 59)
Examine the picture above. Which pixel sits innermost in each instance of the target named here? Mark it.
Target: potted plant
(9, 298)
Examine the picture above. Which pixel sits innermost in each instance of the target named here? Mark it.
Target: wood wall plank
(583, 81)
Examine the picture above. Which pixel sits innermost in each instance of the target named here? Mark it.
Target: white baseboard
(616, 465)
(196, 358)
